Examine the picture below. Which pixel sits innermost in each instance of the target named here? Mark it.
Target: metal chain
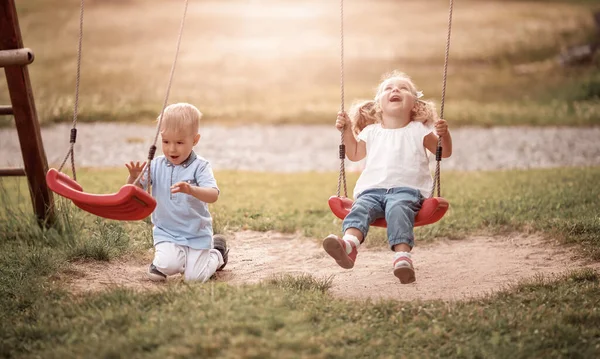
(436, 179)
(342, 176)
(153, 146)
(71, 151)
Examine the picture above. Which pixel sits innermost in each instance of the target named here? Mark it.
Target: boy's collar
(185, 163)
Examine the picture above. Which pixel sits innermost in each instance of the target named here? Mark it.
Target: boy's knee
(205, 267)
(168, 266)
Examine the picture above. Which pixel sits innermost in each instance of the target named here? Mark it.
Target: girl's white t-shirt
(395, 158)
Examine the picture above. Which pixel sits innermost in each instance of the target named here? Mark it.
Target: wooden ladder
(14, 59)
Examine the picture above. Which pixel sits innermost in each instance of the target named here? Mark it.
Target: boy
(183, 184)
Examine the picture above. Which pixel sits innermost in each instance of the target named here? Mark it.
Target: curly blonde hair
(364, 113)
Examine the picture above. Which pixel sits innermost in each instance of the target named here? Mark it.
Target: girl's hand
(342, 121)
(441, 127)
(183, 187)
(135, 168)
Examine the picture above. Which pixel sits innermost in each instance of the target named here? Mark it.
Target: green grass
(561, 203)
(79, 236)
(294, 316)
(276, 62)
(289, 318)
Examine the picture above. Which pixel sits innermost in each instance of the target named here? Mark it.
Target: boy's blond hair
(368, 112)
(181, 117)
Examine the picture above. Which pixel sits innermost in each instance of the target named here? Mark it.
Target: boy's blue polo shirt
(181, 218)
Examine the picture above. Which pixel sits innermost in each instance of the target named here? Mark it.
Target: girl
(393, 132)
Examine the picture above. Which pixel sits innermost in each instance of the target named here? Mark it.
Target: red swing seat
(131, 203)
(432, 210)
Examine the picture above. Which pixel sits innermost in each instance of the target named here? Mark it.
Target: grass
(294, 316)
(80, 237)
(285, 318)
(276, 62)
(558, 202)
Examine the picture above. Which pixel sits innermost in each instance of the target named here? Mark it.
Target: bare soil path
(446, 270)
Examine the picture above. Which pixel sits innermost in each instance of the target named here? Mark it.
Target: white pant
(194, 264)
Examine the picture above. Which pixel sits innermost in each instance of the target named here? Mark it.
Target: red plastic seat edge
(141, 203)
(137, 213)
(101, 204)
(62, 184)
(433, 210)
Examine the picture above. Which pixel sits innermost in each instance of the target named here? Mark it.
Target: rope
(342, 56)
(438, 155)
(73, 138)
(152, 149)
(342, 148)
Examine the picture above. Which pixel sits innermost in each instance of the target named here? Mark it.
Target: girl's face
(396, 95)
(177, 146)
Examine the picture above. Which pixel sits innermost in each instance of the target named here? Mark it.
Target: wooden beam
(18, 57)
(6, 110)
(12, 172)
(28, 127)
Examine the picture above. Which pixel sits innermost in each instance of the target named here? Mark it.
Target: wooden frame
(24, 112)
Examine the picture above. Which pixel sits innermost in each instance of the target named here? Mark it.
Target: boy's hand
(135, 168)
(441, 127)
(342, 120)
(183, 187)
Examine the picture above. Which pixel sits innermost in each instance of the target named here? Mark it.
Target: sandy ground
(446, 270)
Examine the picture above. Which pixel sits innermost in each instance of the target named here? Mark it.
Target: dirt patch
(447, 270)
(93, 276)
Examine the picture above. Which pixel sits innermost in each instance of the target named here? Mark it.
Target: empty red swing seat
(129, 204)
(432, 210)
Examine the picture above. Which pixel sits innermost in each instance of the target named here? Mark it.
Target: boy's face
(177, 146)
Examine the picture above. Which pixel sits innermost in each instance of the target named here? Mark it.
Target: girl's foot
(344, 252)
(403, 269)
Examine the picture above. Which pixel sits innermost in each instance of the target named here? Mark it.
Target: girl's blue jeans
(398, 206)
